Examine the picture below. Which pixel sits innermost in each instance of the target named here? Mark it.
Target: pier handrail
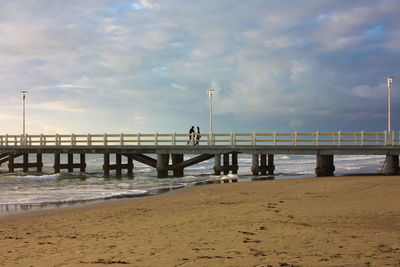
(233, 139)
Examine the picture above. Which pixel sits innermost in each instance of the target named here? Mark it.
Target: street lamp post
(389, 84)
(24, 92)
(210, 96)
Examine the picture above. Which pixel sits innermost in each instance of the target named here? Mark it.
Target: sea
(22, 192)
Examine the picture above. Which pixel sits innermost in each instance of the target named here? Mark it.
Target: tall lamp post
(210, 96)
(389, 84)
(23, 92)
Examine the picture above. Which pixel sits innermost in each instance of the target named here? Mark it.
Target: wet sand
(340, 221)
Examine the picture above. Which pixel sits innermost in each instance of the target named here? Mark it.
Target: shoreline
(10, 210)
(326, 221)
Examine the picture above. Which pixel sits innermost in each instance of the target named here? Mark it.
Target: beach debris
(258, 253)
(263, 228)
(103, 261)
(284, 264)
(246, 233)
(385, 248)
(249, 240)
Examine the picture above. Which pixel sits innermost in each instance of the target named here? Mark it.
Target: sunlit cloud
(10, 117)
(59, 106)
(45, 127)
(137, 118)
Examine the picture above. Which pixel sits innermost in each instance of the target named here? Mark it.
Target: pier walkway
(169, 150)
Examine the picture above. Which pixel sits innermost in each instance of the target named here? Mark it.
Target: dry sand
(341, 221)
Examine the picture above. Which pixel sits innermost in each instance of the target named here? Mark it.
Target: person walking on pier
(191, 133)
(197, 134)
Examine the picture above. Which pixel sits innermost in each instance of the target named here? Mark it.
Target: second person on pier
(197, 135)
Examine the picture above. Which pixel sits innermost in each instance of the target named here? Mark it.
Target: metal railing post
(6, 139)
(105, 141)
(121, 139)
(339, 138)
(138, 139)
(89, 140)
(295, 138)
(362, 137)
(392, 138)
(253, 141)
(174, 139)
(385, 138)
(274, 138)
(317, 138)
(73, 140)
(156, 139)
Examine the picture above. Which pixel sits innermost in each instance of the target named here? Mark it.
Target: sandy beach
(339, 221)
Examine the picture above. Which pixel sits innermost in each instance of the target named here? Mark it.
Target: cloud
(10, 117)
(59, 106)
(44, 127)
(178, 86)
(137, 118)
(149, 4)
(371, 92)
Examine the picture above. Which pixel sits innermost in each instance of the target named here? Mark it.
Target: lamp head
(210, 92)
(390, 81)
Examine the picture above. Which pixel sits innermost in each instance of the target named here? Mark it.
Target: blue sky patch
(376, 30)
(120, 6)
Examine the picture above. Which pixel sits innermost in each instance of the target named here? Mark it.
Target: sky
(112, 66)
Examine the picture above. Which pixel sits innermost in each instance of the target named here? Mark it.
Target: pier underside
(169, 161)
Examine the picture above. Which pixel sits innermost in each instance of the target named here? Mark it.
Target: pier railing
(215, 139)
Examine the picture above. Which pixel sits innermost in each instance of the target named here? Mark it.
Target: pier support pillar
(391, 165)
(57, 160)
(39, 162)
(217, 164)
(106, 165)
(162, 165)
(177, 158)
(235, 165)
(270, 166)
(118, 166)
(255, 164)
(82, 163)
(11, 162)
(226, 163)
(263, 164)
(129, 171)
(118, 163)
(227, 167)
(70, 165)
(25, 163)
(70, 162)
(325, 165)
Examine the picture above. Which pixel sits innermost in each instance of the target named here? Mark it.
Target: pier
(165, 152)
